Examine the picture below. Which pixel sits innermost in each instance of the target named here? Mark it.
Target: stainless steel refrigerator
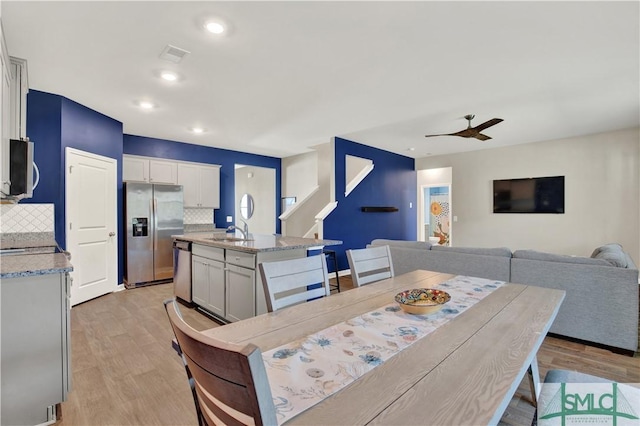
(153, 213)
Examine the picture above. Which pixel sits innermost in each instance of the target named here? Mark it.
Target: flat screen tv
(529, 195)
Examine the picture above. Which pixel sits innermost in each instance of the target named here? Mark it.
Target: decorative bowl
(422, 301)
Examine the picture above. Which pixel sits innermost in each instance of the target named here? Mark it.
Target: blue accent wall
(392, 183)
(54, 123)
(161, 148)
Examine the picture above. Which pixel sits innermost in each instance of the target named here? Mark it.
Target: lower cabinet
(208, 284)
(241, 294)
(227, 283)
(36, 356)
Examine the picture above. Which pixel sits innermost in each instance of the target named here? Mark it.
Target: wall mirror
(246, 206)
(258, 183)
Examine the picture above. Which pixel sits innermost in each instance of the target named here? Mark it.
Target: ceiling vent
(173, 54)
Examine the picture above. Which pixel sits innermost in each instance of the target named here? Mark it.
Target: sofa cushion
(612, 253)
(499, 251)
(402, 243)
(606, 247)
(550, 257)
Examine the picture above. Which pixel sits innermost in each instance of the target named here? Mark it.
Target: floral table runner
(304, 372)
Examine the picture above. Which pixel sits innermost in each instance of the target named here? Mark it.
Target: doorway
(441, 179)
(437, 214)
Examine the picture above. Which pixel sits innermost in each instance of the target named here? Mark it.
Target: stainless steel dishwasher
(182, 270)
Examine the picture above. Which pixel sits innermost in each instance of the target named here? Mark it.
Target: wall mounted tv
(530, 195)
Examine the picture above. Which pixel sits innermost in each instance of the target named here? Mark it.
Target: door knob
(112, 234)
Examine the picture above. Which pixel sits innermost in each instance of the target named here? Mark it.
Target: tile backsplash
(198, 216)
(26, 218)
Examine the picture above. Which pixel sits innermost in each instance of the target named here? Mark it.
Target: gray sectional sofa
(601, 303)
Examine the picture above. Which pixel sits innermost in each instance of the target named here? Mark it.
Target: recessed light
(411, 149)
(215, 27)
(169, 76)
(197, 130)
(146, 105)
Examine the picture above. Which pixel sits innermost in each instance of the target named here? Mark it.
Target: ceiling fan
(473, 132)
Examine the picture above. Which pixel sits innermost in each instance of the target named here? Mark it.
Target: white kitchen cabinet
(240, 285)
(36, 356)
(201, 185)
(161, 171)
(150, 170)
(241, 294)
(5, 106)
(135, 169)
(226, 282)
(208, 288)
(19, 90)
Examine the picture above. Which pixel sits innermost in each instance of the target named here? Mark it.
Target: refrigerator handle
(154, 212)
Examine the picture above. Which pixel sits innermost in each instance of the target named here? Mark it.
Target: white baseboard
(119, 287)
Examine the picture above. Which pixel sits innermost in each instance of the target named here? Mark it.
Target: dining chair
(230, 381)
(288, 282)
(370, 264)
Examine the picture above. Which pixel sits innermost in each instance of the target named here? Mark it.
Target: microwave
(21, 167)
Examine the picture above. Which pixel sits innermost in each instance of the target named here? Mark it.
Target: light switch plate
(229, 219)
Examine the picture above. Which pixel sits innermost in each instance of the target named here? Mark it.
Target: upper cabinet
(163, 171)
(200, 182)
(19, 90)
(13, 109)
(201, 185)
(5, 94)
(150, 170)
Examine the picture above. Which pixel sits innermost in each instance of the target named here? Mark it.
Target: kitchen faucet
(244, 231)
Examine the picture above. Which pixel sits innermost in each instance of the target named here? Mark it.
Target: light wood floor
(126, 373)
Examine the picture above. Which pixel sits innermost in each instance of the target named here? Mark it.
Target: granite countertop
(31, 253)
(255, 243)
(24, 265)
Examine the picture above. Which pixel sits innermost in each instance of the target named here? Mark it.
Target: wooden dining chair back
(370, 265)
(230, 380)
(288, 282)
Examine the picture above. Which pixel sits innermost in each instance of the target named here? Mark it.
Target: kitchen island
(224, 269)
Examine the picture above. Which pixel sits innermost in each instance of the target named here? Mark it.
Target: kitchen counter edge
(257, 243)
(25, 265)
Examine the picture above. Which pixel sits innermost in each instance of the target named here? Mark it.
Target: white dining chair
(288, 282)
(370, 265)
(228, 381)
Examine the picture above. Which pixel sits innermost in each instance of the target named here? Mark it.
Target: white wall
(601, 194)
(299, 175)
(261, 185)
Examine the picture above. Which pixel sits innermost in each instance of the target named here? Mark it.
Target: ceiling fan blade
(431, 136)
(487, 124)
(482, 137)
(466, 133)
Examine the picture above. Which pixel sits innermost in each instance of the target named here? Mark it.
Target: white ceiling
(291, 75)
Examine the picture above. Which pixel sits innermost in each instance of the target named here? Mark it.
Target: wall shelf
(370, 209)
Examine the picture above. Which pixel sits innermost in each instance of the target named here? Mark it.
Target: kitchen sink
(227, 239)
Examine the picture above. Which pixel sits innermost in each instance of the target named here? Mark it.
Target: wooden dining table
(463, 373)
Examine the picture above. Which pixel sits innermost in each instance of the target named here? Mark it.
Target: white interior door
(91, 224)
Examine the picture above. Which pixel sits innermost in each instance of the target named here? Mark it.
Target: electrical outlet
(229, 219)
